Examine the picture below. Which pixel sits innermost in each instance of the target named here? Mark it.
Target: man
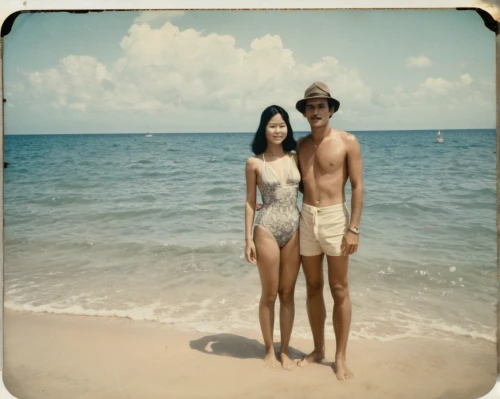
(327, 158)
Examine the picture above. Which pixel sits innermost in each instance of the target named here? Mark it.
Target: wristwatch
(354, 229)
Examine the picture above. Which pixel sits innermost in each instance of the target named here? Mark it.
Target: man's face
(317, 112)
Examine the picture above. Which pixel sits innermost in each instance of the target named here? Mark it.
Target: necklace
(324, 137)
(317, 145)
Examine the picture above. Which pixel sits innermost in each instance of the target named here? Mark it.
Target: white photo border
(491, 15)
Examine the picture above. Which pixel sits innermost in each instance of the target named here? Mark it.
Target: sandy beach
(58, 356)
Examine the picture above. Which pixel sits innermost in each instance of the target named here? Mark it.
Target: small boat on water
(440, 137)
(149, 135)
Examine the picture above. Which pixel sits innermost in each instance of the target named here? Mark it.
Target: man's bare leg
(289, 270)
(268, 262)
(339, 287)
(316, 312)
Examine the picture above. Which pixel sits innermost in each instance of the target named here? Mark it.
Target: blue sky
(215, 71)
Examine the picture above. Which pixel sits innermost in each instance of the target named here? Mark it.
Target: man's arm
(355, 171)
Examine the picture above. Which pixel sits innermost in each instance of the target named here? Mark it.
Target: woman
(274, 246)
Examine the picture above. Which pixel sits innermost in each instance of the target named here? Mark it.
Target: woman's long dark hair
(259, 143)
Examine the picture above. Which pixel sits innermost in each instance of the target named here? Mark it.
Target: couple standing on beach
(323, 162)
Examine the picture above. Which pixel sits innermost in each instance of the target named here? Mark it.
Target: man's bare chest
(323, 160)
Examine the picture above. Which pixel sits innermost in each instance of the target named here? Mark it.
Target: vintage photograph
(250, 204)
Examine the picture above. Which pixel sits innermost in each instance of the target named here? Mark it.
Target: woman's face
(276, 130)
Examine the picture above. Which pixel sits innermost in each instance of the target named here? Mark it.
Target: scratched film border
(489, 11)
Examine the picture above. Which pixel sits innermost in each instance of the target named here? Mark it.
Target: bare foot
(341, 370)
(286, 362)
(313, 357)
(270, 360)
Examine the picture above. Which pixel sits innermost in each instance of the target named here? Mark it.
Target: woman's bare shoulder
(254, 161)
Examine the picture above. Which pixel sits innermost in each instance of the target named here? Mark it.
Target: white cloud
(78, 106)
(437, 85)
(418, 62)
(465, 79)
(439, 93)
(186, 80)
(153, 16)
(75, 83)
(173, 73)
(442, 86)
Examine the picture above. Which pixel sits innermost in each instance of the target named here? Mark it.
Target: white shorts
(322, 229)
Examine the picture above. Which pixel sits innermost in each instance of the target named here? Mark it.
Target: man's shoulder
(303, 139)
(347, 137)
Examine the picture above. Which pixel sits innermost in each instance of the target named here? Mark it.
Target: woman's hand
(250, 252)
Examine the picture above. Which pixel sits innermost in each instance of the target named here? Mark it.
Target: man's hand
(258, 207)
(350, 243)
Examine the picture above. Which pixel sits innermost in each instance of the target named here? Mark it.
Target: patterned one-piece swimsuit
(279, 214)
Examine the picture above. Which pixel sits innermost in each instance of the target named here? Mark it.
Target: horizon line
(239, 132)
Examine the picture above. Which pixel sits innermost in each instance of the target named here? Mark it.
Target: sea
(152, 229)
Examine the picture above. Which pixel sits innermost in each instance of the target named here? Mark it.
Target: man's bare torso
(324, 168)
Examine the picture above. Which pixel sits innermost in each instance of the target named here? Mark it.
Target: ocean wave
(153, 174)
(219, 191)
(81, 183)
(145, 162)
(125, 215)
(404, 209)
(378, 330)
(61, 200)
(73, 247)
(144, 313)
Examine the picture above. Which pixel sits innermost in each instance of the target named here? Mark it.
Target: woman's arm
(251, 179)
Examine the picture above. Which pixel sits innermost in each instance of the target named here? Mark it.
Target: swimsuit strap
(290, 158)
(264, 168)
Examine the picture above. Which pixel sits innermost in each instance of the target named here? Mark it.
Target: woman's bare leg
(268, 263)
(289, 270)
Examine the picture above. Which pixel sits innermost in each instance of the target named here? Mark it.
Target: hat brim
(301, 104)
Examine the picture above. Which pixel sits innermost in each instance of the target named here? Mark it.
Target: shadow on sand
(237, 346)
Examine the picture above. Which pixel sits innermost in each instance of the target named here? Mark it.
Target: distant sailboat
(149, 135)
(440, 137)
